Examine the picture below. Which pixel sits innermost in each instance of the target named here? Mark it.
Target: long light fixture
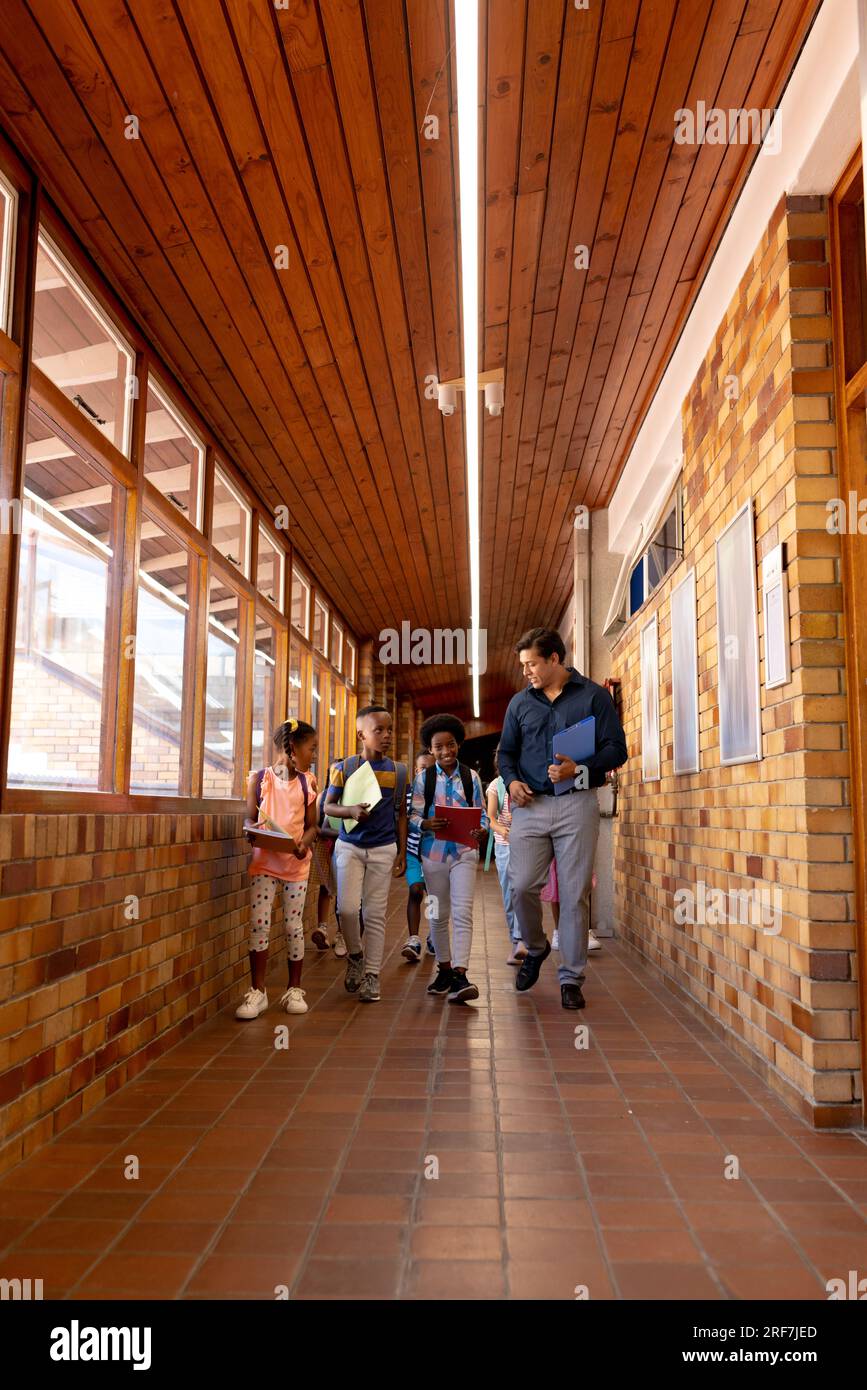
(467, 60)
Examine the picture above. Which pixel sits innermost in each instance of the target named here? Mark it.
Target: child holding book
(280, 798)
(449, 868)
(371, 853)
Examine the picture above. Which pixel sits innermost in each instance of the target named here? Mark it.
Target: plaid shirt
(448, 791)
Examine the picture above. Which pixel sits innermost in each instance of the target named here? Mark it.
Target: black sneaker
(461, 989)
(530, 967)
(443, 982)
(571, 997)
(430, 947)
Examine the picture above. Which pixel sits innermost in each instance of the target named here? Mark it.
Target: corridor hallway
(306, 1168)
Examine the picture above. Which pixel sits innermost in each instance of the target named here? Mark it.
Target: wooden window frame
(261, 530)
(155, 383)
(137, 497)
(850, 390)
(244, 566)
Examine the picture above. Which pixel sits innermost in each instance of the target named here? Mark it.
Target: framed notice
(650, 770)
(740, 725)
(684, 675)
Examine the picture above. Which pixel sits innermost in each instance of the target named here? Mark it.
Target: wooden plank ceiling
(305, 127)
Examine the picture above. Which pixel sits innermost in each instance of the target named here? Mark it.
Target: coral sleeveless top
(282, 801)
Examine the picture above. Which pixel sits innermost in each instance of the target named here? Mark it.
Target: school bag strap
(430, 784)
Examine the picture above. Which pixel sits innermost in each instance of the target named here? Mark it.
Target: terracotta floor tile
(260, 1238)
(345, 1241)
(167, 1237)
(547, 1244)
(771, 1282)
(666, 1282)
(466, 1279)
(456, 1243)
(70, 1234)
(259, 1275)
(559, 1279)
(823, 1218)
(352, 1279)
(659, 1247)
(729, 1216)
(140, 1273)
(475, 1211)
(367, 1208)
(547, 1212)
(765, 1247)
(544, 1184)
(101, 1206)
(634, 1215)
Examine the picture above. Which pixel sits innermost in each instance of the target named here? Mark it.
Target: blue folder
(578, 742)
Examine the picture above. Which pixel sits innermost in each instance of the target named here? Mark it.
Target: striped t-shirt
(379, 828)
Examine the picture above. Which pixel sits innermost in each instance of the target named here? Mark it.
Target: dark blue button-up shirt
(532, 720)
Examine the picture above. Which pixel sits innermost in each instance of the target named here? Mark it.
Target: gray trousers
(564, 828)
(451, 886)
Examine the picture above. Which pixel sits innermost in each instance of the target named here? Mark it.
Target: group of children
(374, 844)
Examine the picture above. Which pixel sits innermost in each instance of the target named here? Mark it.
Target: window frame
(220, 474)
(138, 500)
(96, 305)
(154, 383)
(8, 248)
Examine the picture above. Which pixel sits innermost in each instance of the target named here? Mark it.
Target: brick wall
(787, 1002)
(89, 997)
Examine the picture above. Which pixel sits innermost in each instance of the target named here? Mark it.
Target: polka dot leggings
(262, 890)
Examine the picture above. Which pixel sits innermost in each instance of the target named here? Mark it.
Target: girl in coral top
(281, 797)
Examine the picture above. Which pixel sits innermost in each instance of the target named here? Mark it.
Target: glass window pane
(230, 524)
(158, 696)
(174, 456)
(220, 687)
(350, 661)
(8, 215)
(57, 680)
(264, 669)
(294, 703)
(337, 645)
(79, 348)
(300, 603)
(269, 569)
(320, 627)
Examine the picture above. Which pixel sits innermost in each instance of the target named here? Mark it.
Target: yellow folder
(360, 787)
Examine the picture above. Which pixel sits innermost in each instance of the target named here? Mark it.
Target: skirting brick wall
(787, 1002)
(90, 994)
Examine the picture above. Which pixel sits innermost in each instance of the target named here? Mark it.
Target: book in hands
(276, 836)
(362, 787)
(460, 820)
(578, 742)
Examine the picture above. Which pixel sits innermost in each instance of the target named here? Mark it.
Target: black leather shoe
(571, 997)
(530, 967)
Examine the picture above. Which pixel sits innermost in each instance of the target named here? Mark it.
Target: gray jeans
(564, 828)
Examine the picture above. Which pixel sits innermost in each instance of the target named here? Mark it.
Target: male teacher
(545, 825)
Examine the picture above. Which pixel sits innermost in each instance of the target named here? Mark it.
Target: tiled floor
(412, 1149)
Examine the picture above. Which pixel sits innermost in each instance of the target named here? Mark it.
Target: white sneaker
(255, 1003)
(293, 1001)
(412, 950)
(555, 941)
(593, 943)
(339, 945)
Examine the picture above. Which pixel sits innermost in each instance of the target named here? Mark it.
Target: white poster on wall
(740, 724)
(684, 675)
(650, 769)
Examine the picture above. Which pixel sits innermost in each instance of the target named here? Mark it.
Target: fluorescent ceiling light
(467, 59)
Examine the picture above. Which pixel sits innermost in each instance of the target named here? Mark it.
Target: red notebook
(461, 820)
